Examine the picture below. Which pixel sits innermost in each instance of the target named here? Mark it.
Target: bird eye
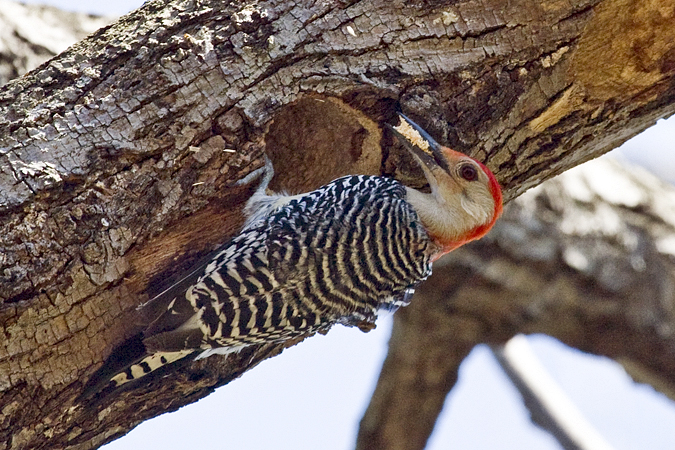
(468, 172)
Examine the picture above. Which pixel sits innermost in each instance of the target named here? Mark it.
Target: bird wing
(300, 268)
(227, 302)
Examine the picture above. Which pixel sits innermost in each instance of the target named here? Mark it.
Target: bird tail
(130, 352)
(128, 362)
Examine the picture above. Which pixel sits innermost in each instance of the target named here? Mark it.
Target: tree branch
(586, 258)
(116, 172)
(549, 406)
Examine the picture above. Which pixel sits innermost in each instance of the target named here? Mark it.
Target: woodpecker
(303, 263)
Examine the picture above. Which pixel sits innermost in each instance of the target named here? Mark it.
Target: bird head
(465, 199)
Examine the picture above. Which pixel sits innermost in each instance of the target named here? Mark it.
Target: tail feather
(132, 351)
(147, 365)
(129, 362)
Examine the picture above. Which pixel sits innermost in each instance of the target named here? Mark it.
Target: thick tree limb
(116, 171)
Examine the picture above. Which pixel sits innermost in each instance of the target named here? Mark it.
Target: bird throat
(444, 223)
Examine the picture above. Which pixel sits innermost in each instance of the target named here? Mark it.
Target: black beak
(419, 143)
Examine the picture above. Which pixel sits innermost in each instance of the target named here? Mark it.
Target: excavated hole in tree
(318, 139)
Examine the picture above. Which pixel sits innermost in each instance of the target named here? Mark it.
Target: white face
(475, 198)
(464, 188)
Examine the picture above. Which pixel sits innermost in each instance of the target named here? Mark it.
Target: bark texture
(588, 258)
(119, 158)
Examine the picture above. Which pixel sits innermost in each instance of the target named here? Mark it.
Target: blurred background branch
(586, 258)
(549, 406)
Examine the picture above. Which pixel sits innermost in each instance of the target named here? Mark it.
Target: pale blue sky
(110, 7)
(313, 395)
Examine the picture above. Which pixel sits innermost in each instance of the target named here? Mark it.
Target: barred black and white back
(335, 255)
(302, 263)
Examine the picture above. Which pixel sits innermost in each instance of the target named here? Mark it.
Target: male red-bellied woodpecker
(302, 263)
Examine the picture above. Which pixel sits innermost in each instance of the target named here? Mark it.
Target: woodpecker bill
(303, 263)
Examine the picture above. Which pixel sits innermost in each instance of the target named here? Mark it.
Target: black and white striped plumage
(337, 254)
(334, 255)
(303, 263)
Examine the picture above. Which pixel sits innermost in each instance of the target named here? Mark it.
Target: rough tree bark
(119, 158)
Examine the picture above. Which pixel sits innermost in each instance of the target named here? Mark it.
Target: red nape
(496, 191)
